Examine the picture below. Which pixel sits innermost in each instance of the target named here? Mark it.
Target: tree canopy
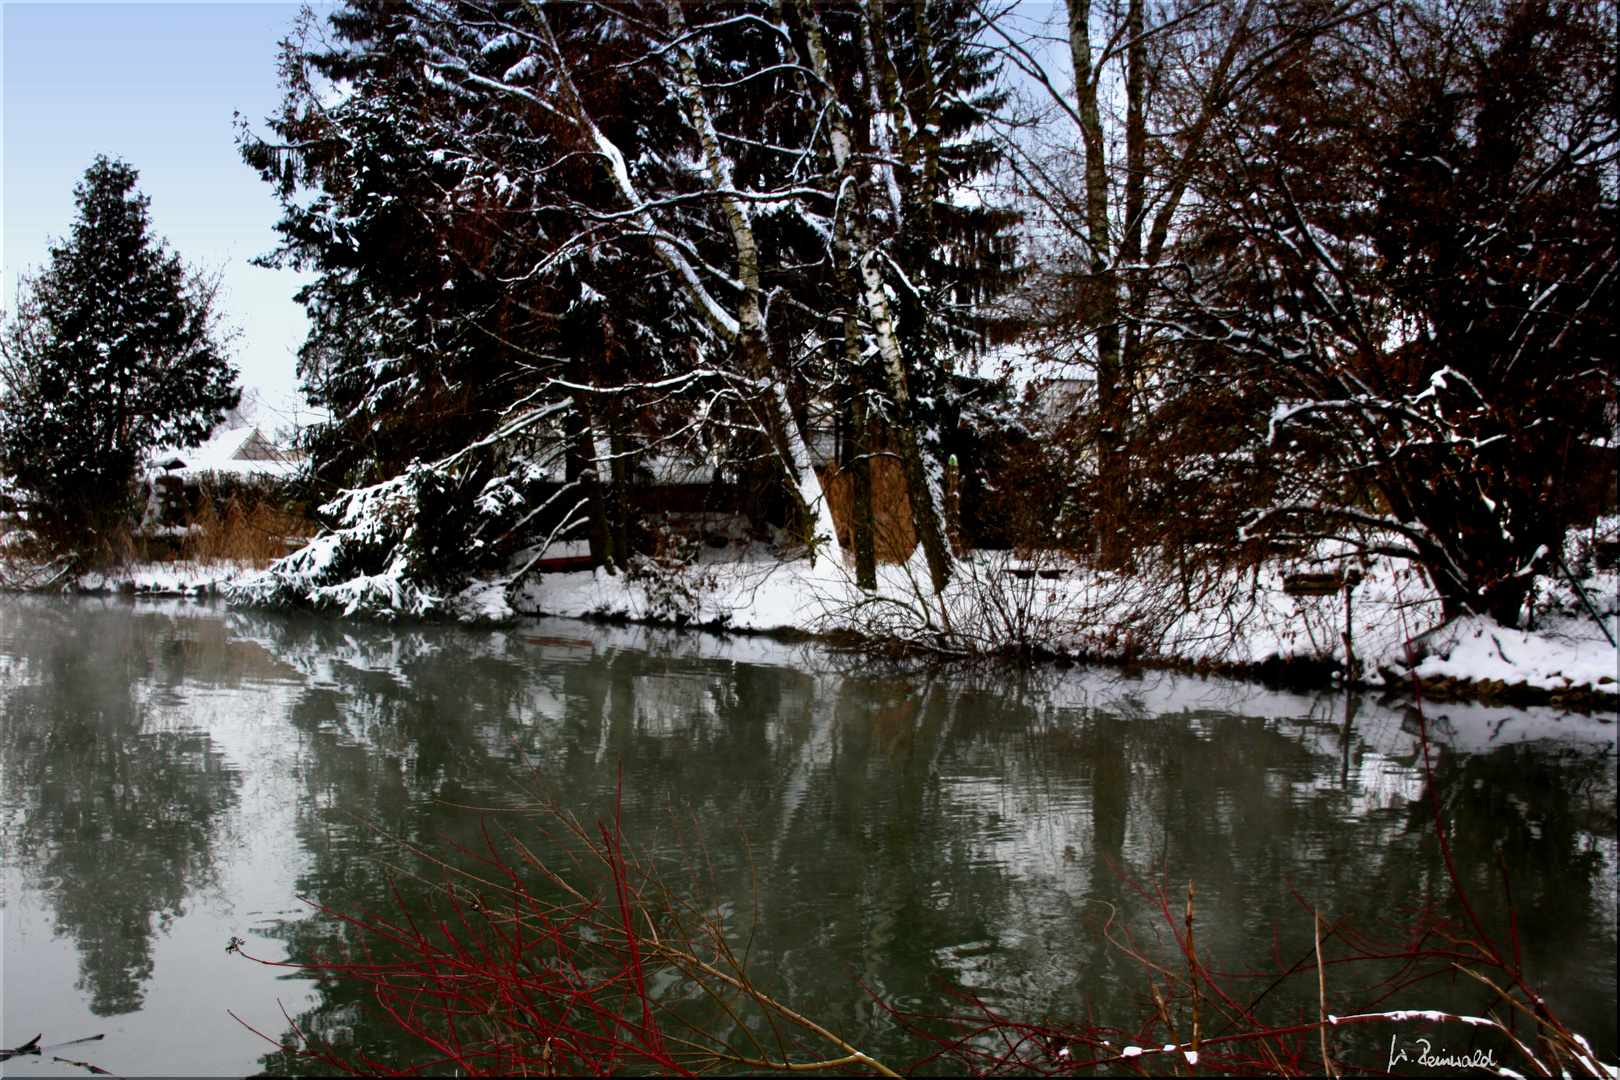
(1335, 271)
(782, 184)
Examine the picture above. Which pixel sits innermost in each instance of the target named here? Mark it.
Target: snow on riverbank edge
(1239, 622)
(999, 603)
(164, 579)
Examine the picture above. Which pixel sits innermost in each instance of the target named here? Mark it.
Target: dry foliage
(250, 534)
(893, 536)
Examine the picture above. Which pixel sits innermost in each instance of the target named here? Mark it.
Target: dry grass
(894, 538)
(246, 534)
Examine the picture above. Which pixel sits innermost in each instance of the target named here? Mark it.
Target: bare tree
(1109, 162)
(1404, 260)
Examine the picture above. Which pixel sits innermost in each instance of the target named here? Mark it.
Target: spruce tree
(114, 349)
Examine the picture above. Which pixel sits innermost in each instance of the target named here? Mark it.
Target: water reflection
(913, 830)
(114, 805)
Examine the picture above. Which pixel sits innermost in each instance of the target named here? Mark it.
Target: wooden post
(1302, 584)
(1351, 580)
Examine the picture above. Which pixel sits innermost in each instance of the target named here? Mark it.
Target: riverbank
(1245, 624)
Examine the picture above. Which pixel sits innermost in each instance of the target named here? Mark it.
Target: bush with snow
(424, 544)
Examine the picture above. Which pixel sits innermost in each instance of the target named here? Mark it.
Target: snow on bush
(365, 565)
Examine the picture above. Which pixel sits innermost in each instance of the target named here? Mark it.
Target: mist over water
(176, 775)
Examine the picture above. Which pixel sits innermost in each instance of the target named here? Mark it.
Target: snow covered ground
(998, 602)
(1220, 620)
(164, 579)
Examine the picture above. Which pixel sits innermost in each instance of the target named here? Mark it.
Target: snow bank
(1476, 649)
(163, 579)
(996, 602)
(746, 589)
(1233, 619)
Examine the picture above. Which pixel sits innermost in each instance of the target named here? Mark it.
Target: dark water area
(177, 775)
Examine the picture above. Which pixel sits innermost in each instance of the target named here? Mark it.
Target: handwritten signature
(1474, 1059)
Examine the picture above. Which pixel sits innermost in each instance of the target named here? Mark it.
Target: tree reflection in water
(114, 808)
(914, 829)
(923, 830)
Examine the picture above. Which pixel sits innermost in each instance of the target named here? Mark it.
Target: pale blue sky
(155, 84)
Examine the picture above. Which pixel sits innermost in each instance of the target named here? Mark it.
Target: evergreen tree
(563, 238)
(115, 348)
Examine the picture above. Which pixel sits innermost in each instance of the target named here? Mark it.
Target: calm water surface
(176, 775)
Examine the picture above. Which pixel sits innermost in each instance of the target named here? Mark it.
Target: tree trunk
(581, 468)
(1113, 401)
(860, 258)
(774, 411)
(1112, 412)
(860, 526)
(927, 502)
(620, 512)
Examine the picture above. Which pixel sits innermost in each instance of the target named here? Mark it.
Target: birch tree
(533, 160)
(904, 92)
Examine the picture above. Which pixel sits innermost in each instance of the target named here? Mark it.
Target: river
(178, 775)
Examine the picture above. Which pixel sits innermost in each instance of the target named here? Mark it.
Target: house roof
(243, 451)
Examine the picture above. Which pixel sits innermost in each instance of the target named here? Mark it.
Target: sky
(157, 85)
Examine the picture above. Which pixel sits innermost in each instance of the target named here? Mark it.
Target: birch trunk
(866, 275)
(619, 504)
(581, 467)
(777, 415)
(861, 527)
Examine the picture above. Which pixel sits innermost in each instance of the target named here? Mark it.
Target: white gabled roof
(240, 444)
(242, 450)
